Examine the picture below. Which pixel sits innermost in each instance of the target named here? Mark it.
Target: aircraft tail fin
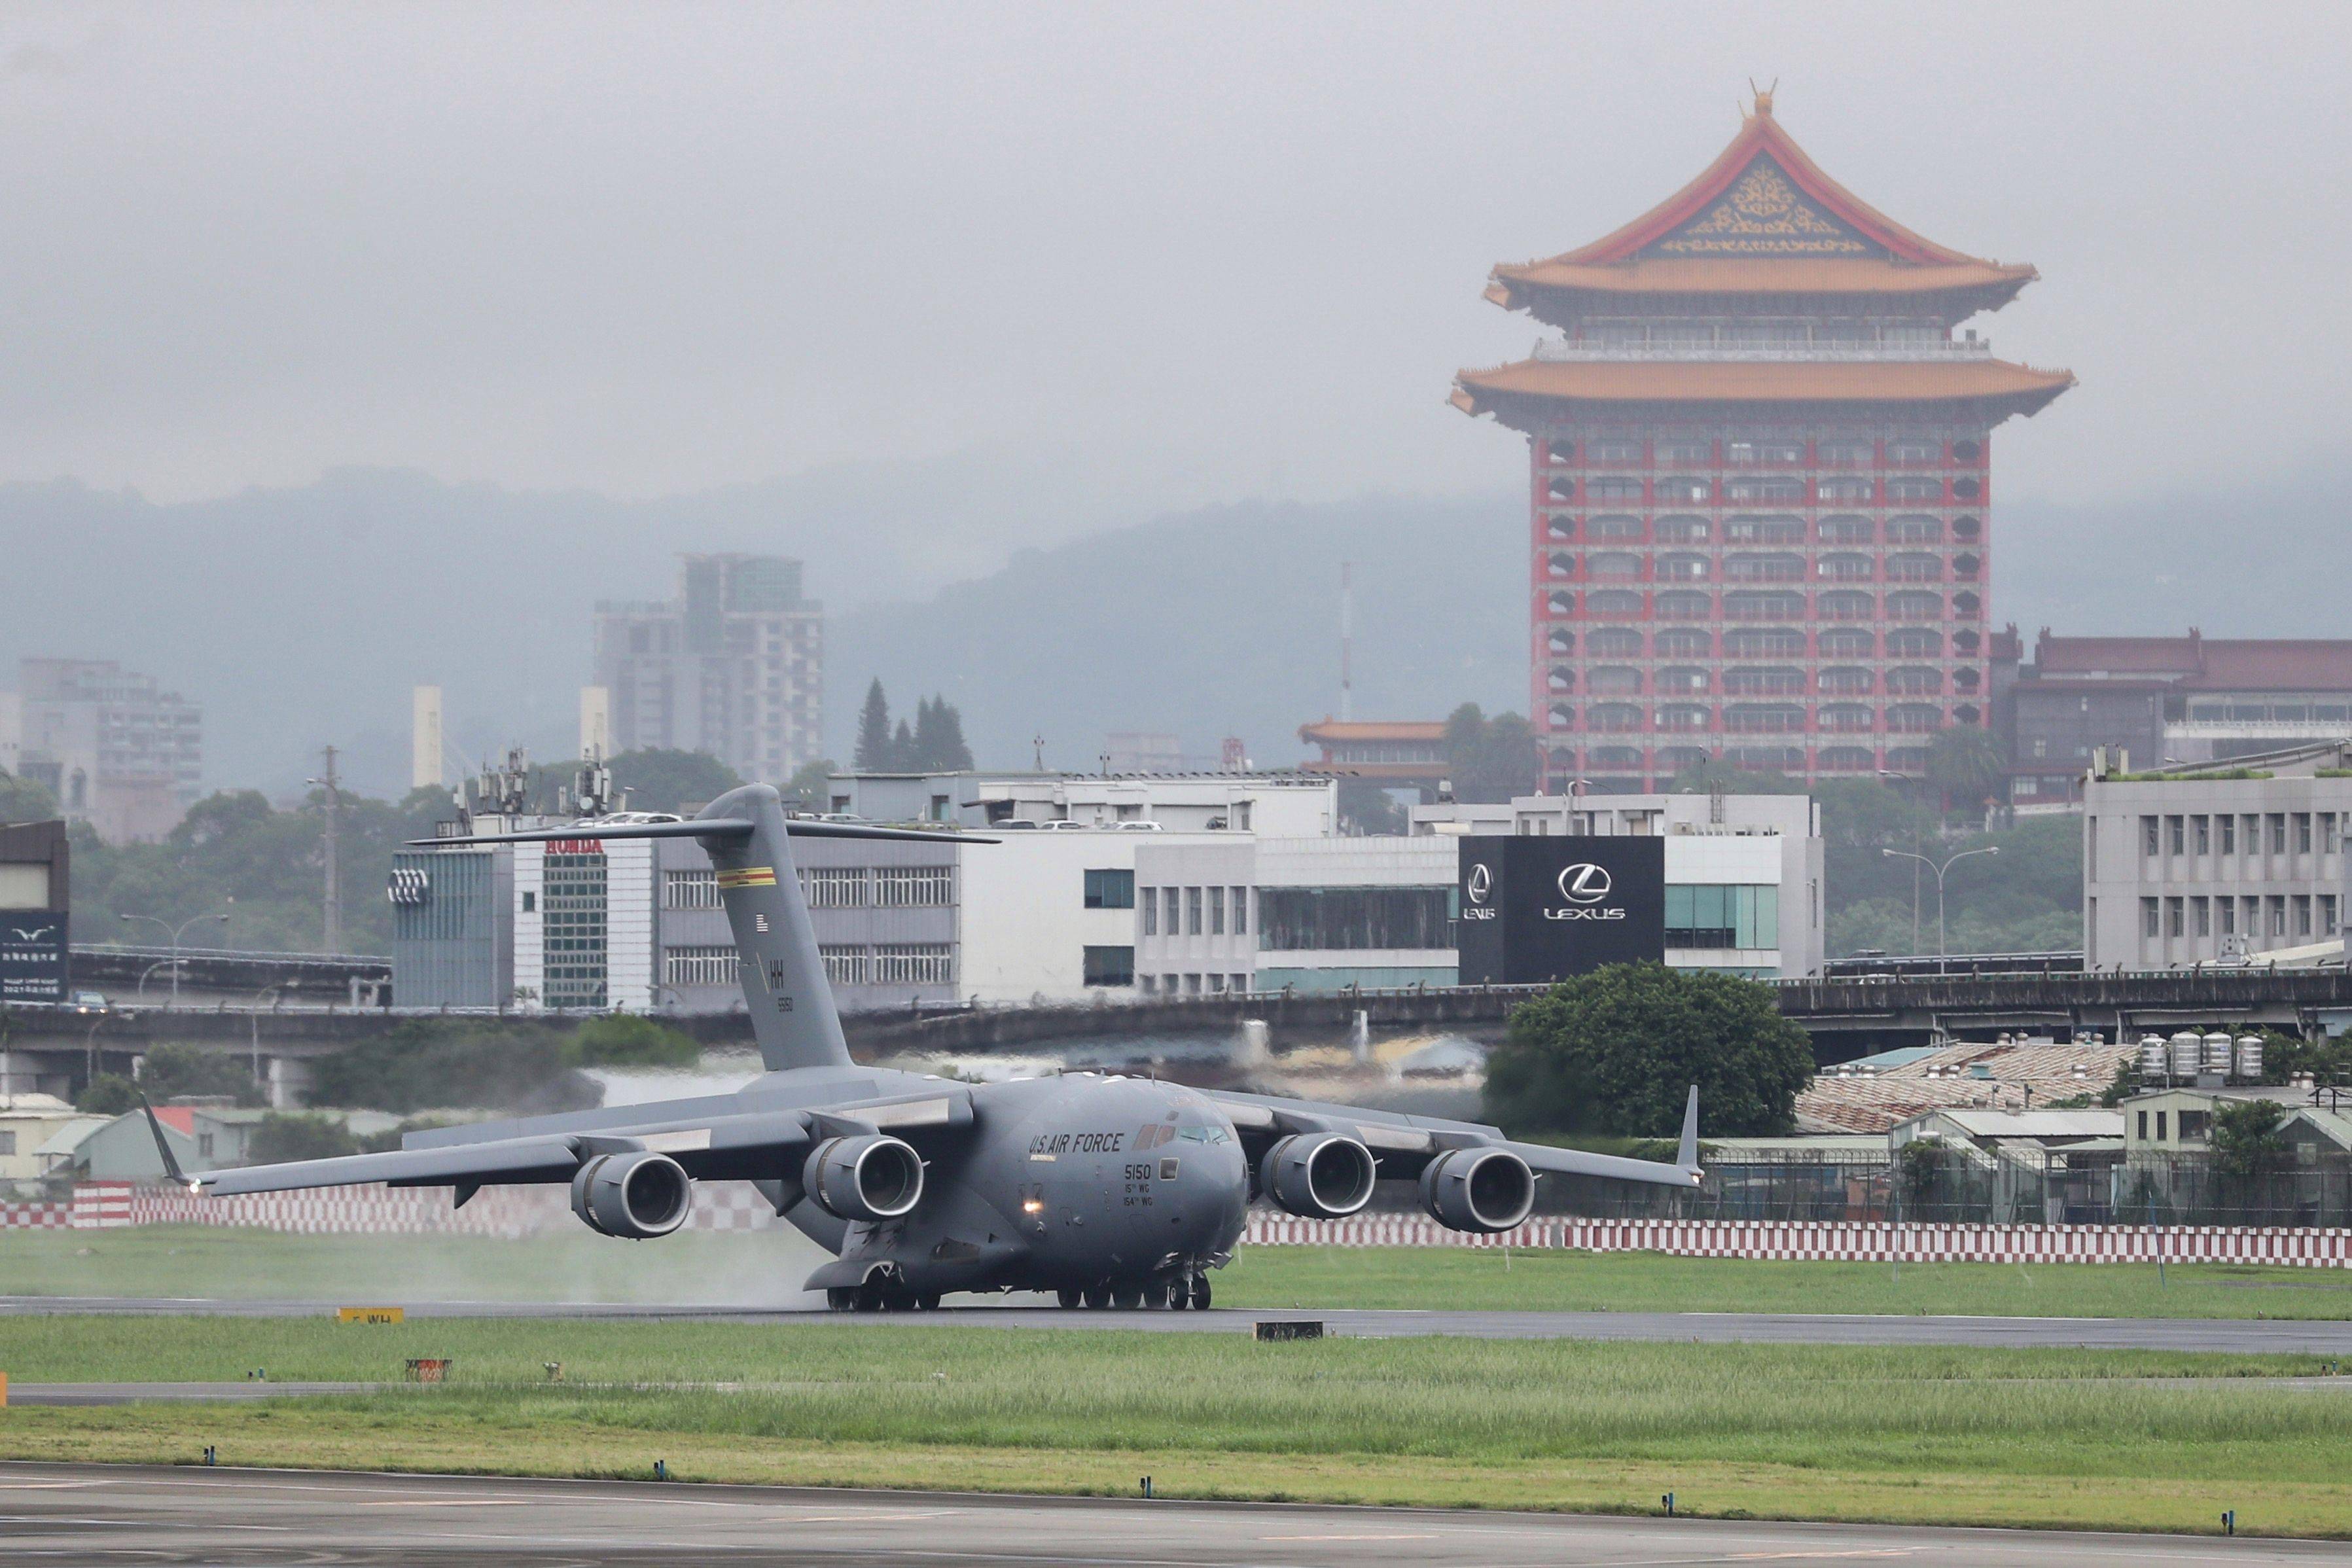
(1687, 1156)
(164, 1147)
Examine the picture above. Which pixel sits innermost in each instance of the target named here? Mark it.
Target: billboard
(1536, 910)
(32, 955)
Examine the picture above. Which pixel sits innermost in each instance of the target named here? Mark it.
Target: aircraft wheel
(1067, 1297)
(870, 1298)
(1127, 1296)
(841, 1299)
(1200, 1292)
(1097, 1296)
(928, 1301)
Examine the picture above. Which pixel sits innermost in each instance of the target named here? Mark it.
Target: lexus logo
(1482, 882)
(1584, 883)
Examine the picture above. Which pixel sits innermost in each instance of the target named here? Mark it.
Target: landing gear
(1127, 1296)
(842, 1299)
(1200, 1293)
(1067, 1297)
(1099, 1296)
(1164, 1293)
(928, 1301)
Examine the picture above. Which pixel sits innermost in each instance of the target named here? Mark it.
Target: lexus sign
(1534, 910)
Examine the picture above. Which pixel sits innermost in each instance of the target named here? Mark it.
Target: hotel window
(1681, 642)
(2302, 914)
(2174, 830)
(2150, 844)
(2228, 909)
(1851, 643)
(1843, 454)
(1918, 488)
(2175, 922)
(1620, 563)
(1914, 530)
(1915, 567)
(2302, 833)
(1615, 642)
(1240, 901)
(2278, 832)
(1845, 680)
(1853, 488)
(1686, 487)
(2150, 916)
(1764, 489)
(1216, 897)
(1615, 488)
(1613, 527)
(2201, 914)
(1191, 911)
(1846, 530)
(1612, 451)
(1914, 450)
(1686, 454)
(2201, 832)
(2278, 914)
(1558, 525)
(2228, 827)
(1764, 531)
(1681, 568)
(1682, 531)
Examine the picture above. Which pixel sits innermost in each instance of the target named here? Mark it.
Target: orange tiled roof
(1798, 232)
(2024, 389)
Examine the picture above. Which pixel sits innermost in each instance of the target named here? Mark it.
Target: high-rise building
(117, 751)
(734, 666)
(1761, 465)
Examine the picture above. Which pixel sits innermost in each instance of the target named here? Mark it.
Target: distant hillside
(301, 616)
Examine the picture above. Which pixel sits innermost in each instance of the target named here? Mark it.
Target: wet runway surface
(2236, 1335)
(122, 1515)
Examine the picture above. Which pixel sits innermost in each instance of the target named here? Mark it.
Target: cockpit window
(1204, 1135)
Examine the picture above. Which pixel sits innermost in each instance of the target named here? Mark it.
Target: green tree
(1964, 763)
(23, 800)
(811, 787)
(667, 779)
(1365, 808)
(873, 753)
(429, 1062)
(628, 1039)
(108, 1094)
(278, 1138)
(2247, 1136)
(188, 1072)
(1616, 1050)
(1492, 758)
(938, 745)
(902, 748)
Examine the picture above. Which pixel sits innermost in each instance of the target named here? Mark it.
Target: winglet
(164, 1147)
(1687, 1156)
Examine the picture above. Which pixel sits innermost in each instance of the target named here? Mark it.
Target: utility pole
(333, 934)
(1348, 641)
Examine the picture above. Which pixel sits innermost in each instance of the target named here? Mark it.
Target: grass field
(2059, 1438)
(766, 1269)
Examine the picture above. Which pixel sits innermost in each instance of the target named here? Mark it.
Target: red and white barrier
(512, 1211)
(1840, 1241)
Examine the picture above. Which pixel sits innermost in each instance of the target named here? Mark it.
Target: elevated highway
(1847, 1017)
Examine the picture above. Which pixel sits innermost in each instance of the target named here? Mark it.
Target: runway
(152, 1515)
(2252, 1336)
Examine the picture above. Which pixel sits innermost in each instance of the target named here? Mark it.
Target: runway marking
(45, 1486)
(1366, 1535)
(455, 1502)
(852, 1518)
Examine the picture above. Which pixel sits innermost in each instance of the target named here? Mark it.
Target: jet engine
(1318, 1175)
(1482, 1190)
(870, 1176)
(636, 1195)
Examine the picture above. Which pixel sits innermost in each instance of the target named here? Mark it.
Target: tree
(1965, 763)
(625, 1039)
(940, 745)
(2247, 1136)
(1492, 758)
(23, 800)
(427, 1062)
(278, 1138)
(1616, 1050)
(811, 786)
(873, 753)
(108, 1094)
(665, 779)
(1366, 808)
(901, 755)
(185, 1072)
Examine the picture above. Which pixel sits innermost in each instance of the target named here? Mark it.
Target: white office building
(1272, 804)
(2191, 867)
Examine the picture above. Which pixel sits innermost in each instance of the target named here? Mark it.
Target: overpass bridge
(1847, 1016)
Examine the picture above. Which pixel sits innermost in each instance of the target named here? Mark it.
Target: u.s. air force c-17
(1103, 1189)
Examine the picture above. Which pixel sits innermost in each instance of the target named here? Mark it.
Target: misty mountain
(302, 616)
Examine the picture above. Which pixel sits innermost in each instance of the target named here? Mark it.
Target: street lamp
(253, 1021)
(1906, 778)
(177, 931)
(1939, 870)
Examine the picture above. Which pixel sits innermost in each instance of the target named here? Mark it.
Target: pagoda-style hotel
(1761, 465)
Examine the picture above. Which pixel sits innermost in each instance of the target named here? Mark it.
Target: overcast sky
(1202, 251)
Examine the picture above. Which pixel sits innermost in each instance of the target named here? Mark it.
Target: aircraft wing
(1397, 1138)
(713, 1139)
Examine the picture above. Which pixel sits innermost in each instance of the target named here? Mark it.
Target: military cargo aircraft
(1105, 1190)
